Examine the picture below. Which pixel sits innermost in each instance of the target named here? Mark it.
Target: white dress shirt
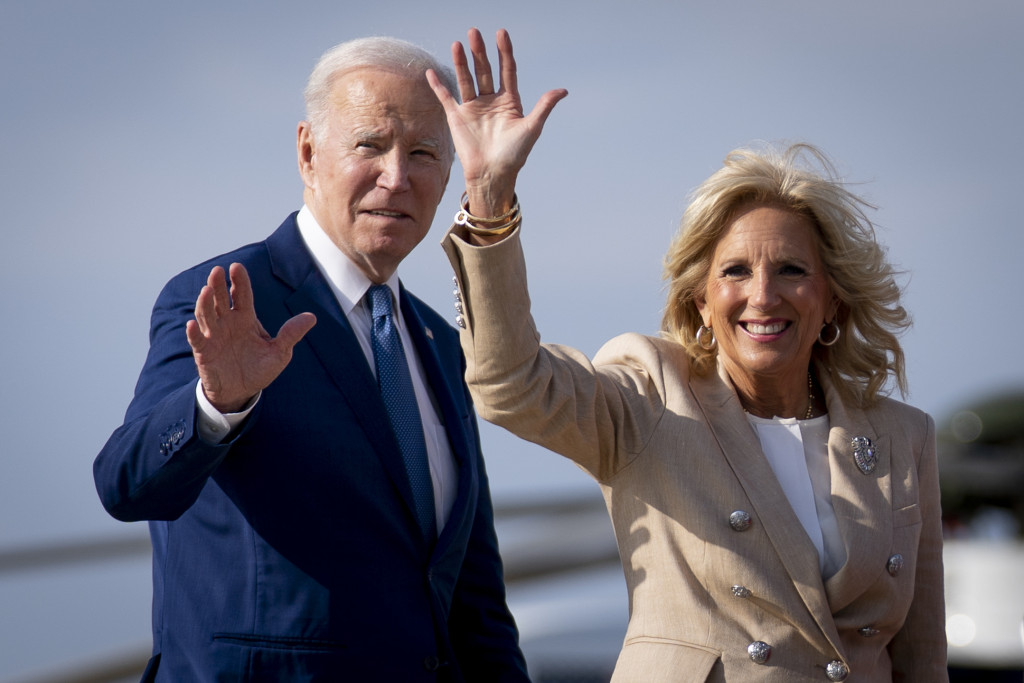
(349, 286)
(797, 451)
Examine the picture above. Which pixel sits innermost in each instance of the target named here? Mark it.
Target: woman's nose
(763, 294)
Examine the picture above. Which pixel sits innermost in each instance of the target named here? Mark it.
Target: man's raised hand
(234, 355)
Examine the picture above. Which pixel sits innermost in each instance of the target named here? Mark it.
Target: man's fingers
(194, 335)
(206, 309)
(294, 329)
(217, 285)
(241, 288)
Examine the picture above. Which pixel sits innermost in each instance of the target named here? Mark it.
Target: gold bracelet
(490, 232)
(495, 226)
(464, 204)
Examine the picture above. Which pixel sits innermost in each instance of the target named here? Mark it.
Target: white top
(797, 451)
(349, 286)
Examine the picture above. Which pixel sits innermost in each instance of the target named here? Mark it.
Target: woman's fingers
(481, 65)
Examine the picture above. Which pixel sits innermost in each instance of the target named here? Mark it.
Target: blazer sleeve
(918, 650)
(154, 465)
(599, 414)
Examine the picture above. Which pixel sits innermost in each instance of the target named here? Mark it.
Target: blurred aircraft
(981, 461)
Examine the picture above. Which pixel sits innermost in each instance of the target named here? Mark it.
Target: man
(289, 543)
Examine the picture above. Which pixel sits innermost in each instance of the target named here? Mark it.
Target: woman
(777, 517)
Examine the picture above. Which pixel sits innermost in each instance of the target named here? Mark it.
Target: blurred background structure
(139, 139)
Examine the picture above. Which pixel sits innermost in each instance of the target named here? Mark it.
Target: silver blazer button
(894, 565)
(740, 520)
(759, 651)
(837, 671)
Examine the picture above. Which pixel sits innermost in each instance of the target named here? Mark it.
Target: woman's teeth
(758, 328)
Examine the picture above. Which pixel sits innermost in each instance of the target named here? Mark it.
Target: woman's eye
(792, 270)
(734, 271)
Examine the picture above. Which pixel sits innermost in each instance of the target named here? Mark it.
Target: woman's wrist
(489, 197)
(484, 230)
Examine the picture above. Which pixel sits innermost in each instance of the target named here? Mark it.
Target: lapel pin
(430, 332)
(864, 454)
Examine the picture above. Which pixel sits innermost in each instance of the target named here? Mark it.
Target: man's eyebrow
(368, 135)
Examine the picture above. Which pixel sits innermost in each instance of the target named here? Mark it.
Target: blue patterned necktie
(396, 389)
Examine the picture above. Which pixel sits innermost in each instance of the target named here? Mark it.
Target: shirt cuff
(214, 426)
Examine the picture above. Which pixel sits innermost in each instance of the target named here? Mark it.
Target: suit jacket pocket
(277, 642)
(255, 657)
(906, 516)
(658, 660)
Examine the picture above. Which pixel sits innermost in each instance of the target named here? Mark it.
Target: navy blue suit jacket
(291, 551)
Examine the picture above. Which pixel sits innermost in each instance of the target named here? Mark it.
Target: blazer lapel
(335, 346)
(742, 449)
(862, 500)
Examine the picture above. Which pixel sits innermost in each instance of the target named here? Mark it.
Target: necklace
(810, 397)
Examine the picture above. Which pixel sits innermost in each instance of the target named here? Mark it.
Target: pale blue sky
(140, 138)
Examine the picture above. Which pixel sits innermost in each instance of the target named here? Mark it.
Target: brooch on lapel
(864, 454)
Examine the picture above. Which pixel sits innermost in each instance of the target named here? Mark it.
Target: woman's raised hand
(492, 136)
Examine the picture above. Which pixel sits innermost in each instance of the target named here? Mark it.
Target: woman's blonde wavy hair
(802, 179)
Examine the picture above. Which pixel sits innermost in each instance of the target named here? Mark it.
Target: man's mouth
(386, 213)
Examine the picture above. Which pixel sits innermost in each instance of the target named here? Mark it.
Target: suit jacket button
(894, 565)
(431, 663)
(759, 652)
(740, 520)
(837, 671)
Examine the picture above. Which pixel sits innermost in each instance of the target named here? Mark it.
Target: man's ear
(444, 185)
(305, 151)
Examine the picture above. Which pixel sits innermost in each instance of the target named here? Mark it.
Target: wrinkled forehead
(373, 91)
(770, 229)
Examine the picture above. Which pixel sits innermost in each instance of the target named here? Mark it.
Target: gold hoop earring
(835, 337)
(702, 333)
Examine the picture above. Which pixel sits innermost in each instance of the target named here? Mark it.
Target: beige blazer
(724, 584)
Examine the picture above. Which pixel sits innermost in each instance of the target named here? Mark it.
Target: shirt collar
(348, 283)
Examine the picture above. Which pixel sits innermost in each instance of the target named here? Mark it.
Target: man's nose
(394, 171)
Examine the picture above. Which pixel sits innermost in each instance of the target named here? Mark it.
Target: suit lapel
(862, 502)
(742, 450)
(335, 346)
(433, 350)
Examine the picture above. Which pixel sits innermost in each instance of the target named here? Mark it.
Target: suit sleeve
(919, 649)
(154, 466)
